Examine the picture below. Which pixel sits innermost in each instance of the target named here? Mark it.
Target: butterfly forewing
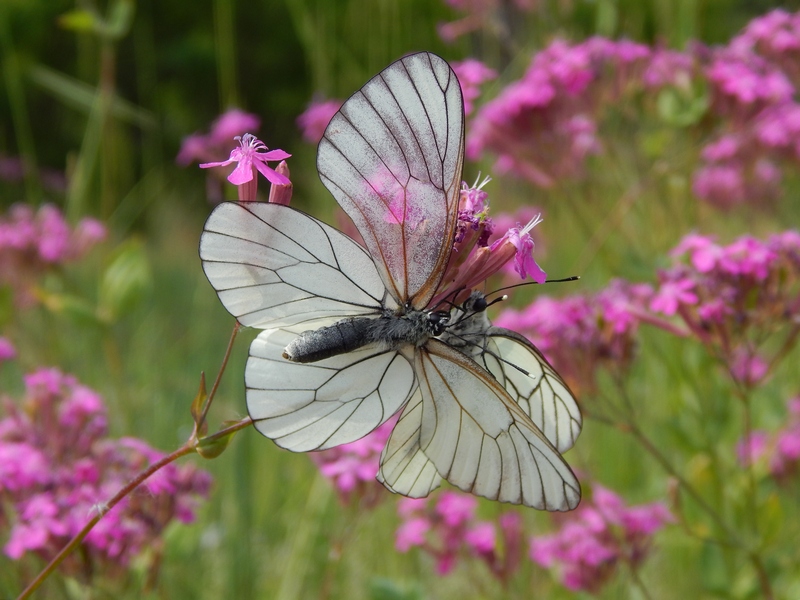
(392, 158)
(273, 266)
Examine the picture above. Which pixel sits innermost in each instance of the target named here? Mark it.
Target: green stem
(93, 136)
(214, 387)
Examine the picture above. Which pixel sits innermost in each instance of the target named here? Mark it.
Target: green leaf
(126, 283)
(681, 109)
(381, 588)
(79, 20)
(120, 19)
(81, 96)
(197, 405)
(212, 447)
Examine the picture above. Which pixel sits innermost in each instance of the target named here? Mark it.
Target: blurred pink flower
(33, 242)
(471, 75)
(734, 297)
(597, 537)
(750, 450)
(449, 532)
(199, 147)
(671, 294)
(232, 123)
(352, 467)
(313, 121)
(7, 350)
(57, 466)
(583, 333)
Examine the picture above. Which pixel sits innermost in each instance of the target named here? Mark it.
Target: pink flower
(251, 155)
(524, 264)
(598, 537)
(449, 532)
(481, 538)
(7, 350)
(57, 468)
(456, 508)
(672, 294)
(232, 123)
(316, 117)
(205, 147)
(411, 533)
(471, 75)
(352, 467)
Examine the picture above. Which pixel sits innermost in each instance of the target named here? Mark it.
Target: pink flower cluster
(57, 468)
(471, 75)
(543, 126)
(448, 530)
(352, 467)
(597, 538)
(754, 99)
(474, 259)
(582, 333)
(731, 297)
(35, 241)
(780, 450)
(13, 170)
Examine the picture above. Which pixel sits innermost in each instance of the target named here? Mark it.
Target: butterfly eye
(476, 303)
(438, 321)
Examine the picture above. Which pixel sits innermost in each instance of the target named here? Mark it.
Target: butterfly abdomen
(386, 333)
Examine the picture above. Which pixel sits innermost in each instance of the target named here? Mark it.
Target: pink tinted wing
(392, 158)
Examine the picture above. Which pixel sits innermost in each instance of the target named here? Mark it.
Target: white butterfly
(349, 338)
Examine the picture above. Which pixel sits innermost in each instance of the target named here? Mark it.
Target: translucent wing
(273, 266)
(392, 158)
(527, 377)
(477, 438)
(530, 380)
(319, 405)
(404, 467)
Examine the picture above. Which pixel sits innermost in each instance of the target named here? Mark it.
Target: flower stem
(75, 541)
(213, 392)
(187, 448)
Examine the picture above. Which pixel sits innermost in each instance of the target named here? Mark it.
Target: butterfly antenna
(510, 287)
(445, 300)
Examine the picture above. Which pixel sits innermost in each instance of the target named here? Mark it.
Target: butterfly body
(389, 331)
(360, 325)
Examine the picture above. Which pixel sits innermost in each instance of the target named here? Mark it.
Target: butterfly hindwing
(530, 380)
(330, 402)
(392, 158)
(481, 441)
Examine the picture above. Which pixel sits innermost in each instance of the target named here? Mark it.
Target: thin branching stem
(187, 448)
(213, 392)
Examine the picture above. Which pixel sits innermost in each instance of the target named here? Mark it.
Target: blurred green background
(105, 92)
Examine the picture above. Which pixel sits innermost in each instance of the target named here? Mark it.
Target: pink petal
(271, 174)
(243, 172)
